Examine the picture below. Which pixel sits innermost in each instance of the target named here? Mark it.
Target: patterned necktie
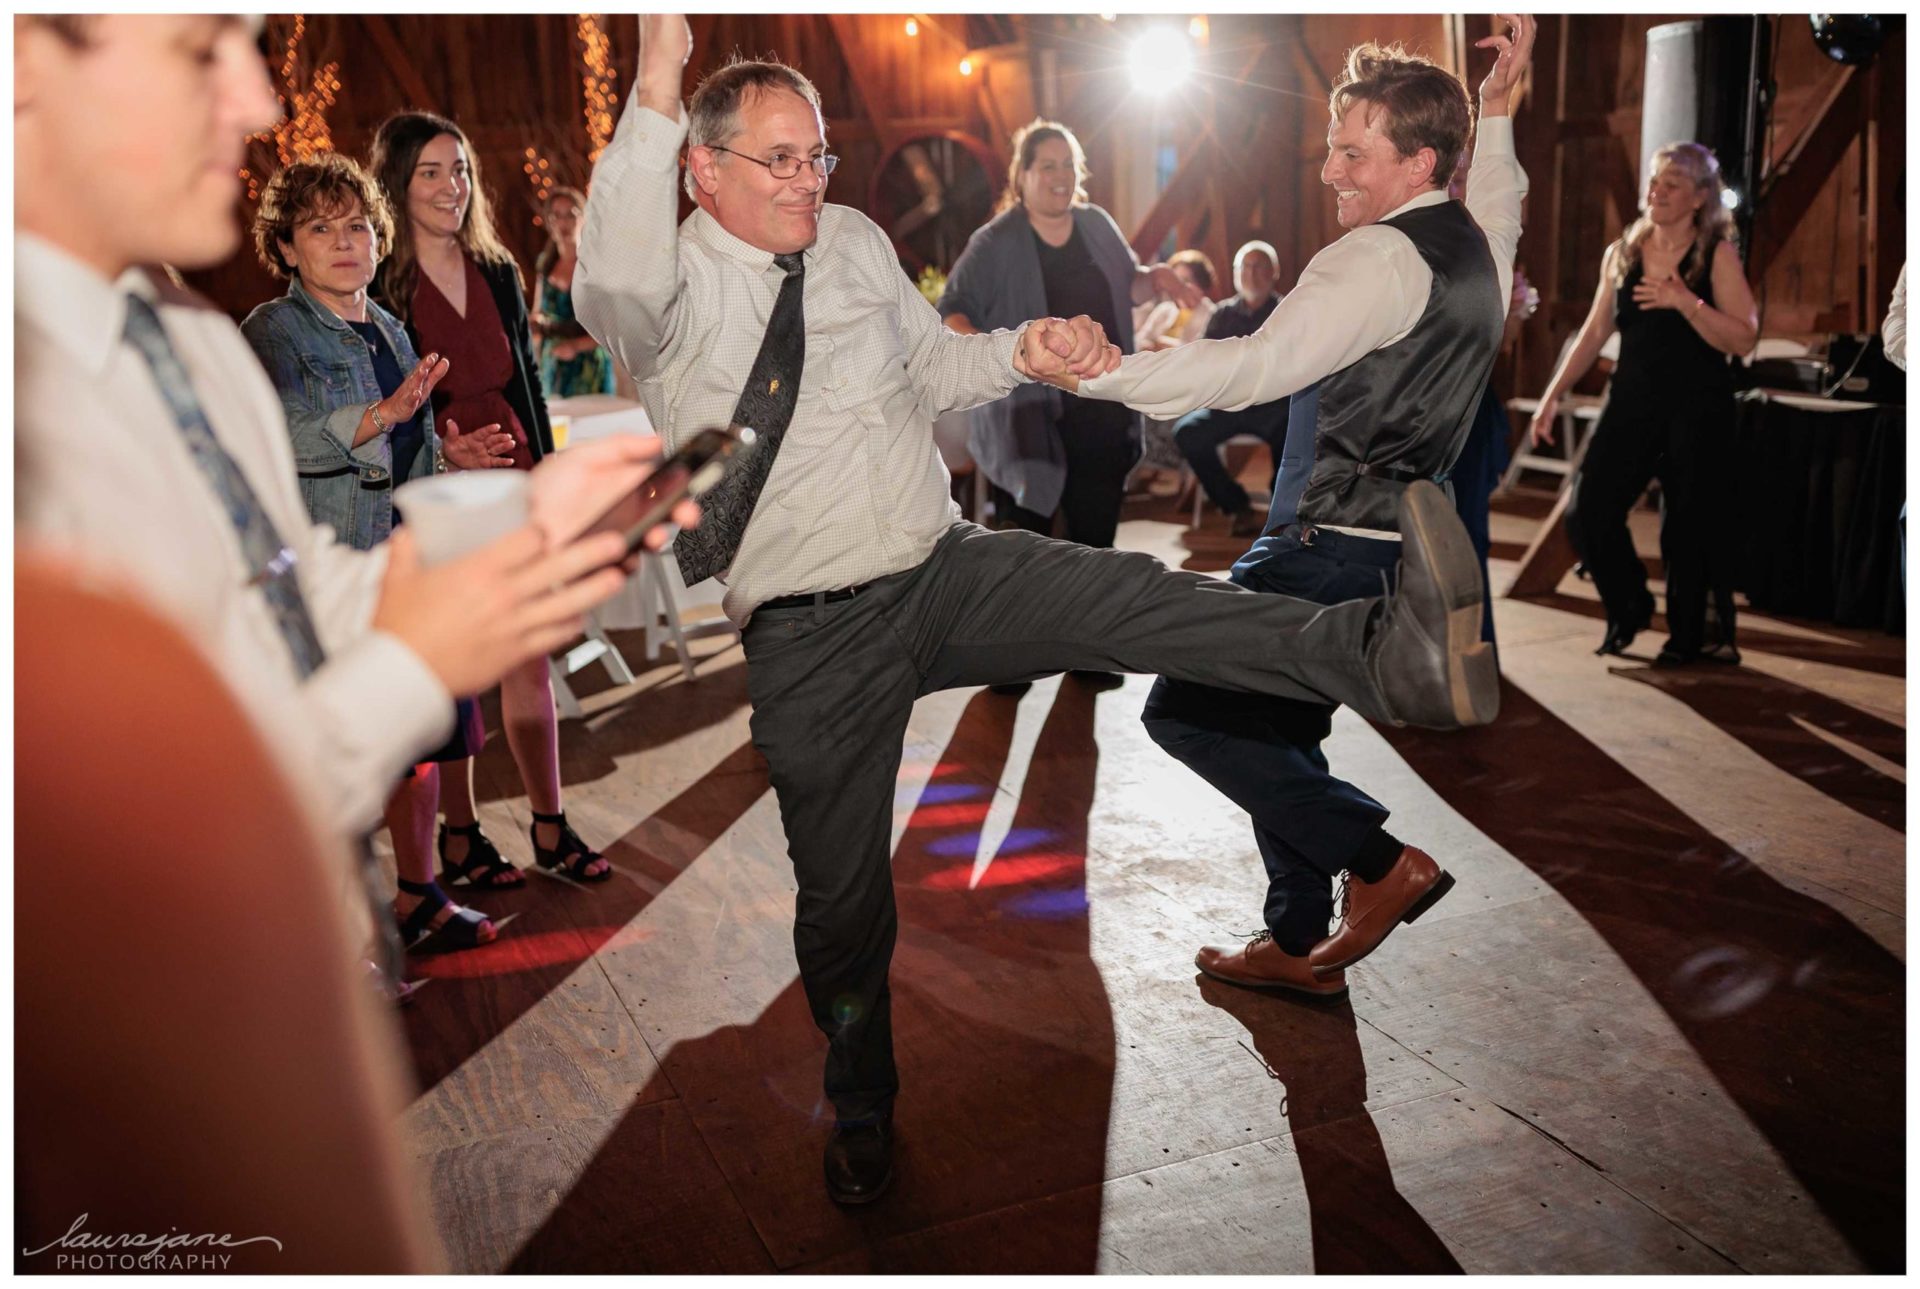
(270, 558)
(766, 406)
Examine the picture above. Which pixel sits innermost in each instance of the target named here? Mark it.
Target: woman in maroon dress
(457, 288)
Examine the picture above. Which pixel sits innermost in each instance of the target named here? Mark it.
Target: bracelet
(380, 425)
(1699, 303)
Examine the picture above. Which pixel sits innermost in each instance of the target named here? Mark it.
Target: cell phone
(693, 471)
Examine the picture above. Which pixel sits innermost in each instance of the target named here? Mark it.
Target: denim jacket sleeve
(322, 435)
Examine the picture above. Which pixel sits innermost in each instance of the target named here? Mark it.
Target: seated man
(1200, 434)
(858, 587)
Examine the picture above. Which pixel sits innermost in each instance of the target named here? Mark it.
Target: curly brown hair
(1426, 105)
(324, 184)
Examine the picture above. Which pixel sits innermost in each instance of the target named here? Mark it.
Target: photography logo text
(83, 1250)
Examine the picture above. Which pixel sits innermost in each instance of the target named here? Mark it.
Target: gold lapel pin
(773, 387)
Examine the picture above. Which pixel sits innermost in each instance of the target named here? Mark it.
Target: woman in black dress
(1674, 288)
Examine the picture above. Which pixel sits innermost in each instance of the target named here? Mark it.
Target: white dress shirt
(1893, 332)
(103, 473)
(1364, 292)
(858, 490)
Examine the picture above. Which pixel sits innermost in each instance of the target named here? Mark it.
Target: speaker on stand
(1709, 80)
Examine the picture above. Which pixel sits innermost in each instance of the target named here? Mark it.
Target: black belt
(812, 598)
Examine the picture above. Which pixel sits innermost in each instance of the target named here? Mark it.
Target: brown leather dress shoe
(1262, 964)
(1412, 886)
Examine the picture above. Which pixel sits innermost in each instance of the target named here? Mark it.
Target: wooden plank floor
(1658, 1027)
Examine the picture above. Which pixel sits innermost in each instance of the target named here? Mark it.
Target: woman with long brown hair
(1674, 287)
(458, 289)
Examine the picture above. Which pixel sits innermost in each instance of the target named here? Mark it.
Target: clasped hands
(1064, 351)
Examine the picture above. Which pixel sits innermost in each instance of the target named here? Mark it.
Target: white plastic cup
(451, 515)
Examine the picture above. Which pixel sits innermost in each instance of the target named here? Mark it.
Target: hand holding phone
(693, 471)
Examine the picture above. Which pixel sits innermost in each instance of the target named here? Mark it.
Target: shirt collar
(710, 233)
(1432, 197)
(70, 301)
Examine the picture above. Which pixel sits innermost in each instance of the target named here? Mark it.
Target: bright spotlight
(1730, 198)
(1160, 60)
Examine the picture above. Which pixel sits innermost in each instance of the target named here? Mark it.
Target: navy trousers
(1263, 753)
(1199, 435)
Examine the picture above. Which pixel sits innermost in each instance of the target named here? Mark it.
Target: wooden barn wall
(514, 82)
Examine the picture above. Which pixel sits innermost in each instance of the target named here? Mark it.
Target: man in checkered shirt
(857, 585)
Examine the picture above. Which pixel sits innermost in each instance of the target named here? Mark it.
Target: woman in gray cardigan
(1052, 253)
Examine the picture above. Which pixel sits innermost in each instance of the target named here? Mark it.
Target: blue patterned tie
(270, 558)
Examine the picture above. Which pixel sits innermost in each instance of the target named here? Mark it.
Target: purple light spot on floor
(969, 843)
(1049, 906)
(935, 794)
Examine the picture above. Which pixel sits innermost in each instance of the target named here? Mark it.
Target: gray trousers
(833, 686)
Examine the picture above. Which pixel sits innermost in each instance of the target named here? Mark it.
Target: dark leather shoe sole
(1428, 900)
(1278, 988)
(1473, 671)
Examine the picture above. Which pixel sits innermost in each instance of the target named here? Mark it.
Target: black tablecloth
(1819, 512)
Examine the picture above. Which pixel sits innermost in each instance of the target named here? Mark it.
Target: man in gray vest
(1384, 346)
(857, 586)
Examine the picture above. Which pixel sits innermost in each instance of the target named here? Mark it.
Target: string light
(540, 178)
(1199, 29)
(913, 27)
(302, 130)
(596, 80)
(966, 67)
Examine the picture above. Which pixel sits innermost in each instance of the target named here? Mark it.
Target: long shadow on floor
(1003, 1033)
(1871, 651)
(473, 996)
(1361, 1223)
(1783, 722)
(1798, 1014)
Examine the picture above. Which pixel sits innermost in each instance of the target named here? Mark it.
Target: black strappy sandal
(483, 863)
(417, 931)
(571, 856)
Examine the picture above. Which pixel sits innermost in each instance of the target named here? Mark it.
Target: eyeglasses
(786, 166)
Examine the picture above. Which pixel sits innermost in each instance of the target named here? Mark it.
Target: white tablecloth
(593, 416)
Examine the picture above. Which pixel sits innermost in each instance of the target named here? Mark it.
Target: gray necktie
(765, 407)
(270, 558)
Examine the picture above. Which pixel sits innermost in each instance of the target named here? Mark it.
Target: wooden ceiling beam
(1793, 186)
(394, 55)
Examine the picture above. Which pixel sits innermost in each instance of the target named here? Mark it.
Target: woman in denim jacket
(356, 400)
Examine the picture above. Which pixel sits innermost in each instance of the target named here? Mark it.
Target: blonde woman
(1674, 288)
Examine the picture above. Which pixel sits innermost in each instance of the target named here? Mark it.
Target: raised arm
(1496, 185)
(627, 282)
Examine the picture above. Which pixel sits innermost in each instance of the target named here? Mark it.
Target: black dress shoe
(1099, 680)
(1428, 663)
(859, 1161)
(1011, 688)
(1620, 634)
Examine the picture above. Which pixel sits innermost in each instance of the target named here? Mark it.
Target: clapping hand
(400, 407)
(487, 448)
